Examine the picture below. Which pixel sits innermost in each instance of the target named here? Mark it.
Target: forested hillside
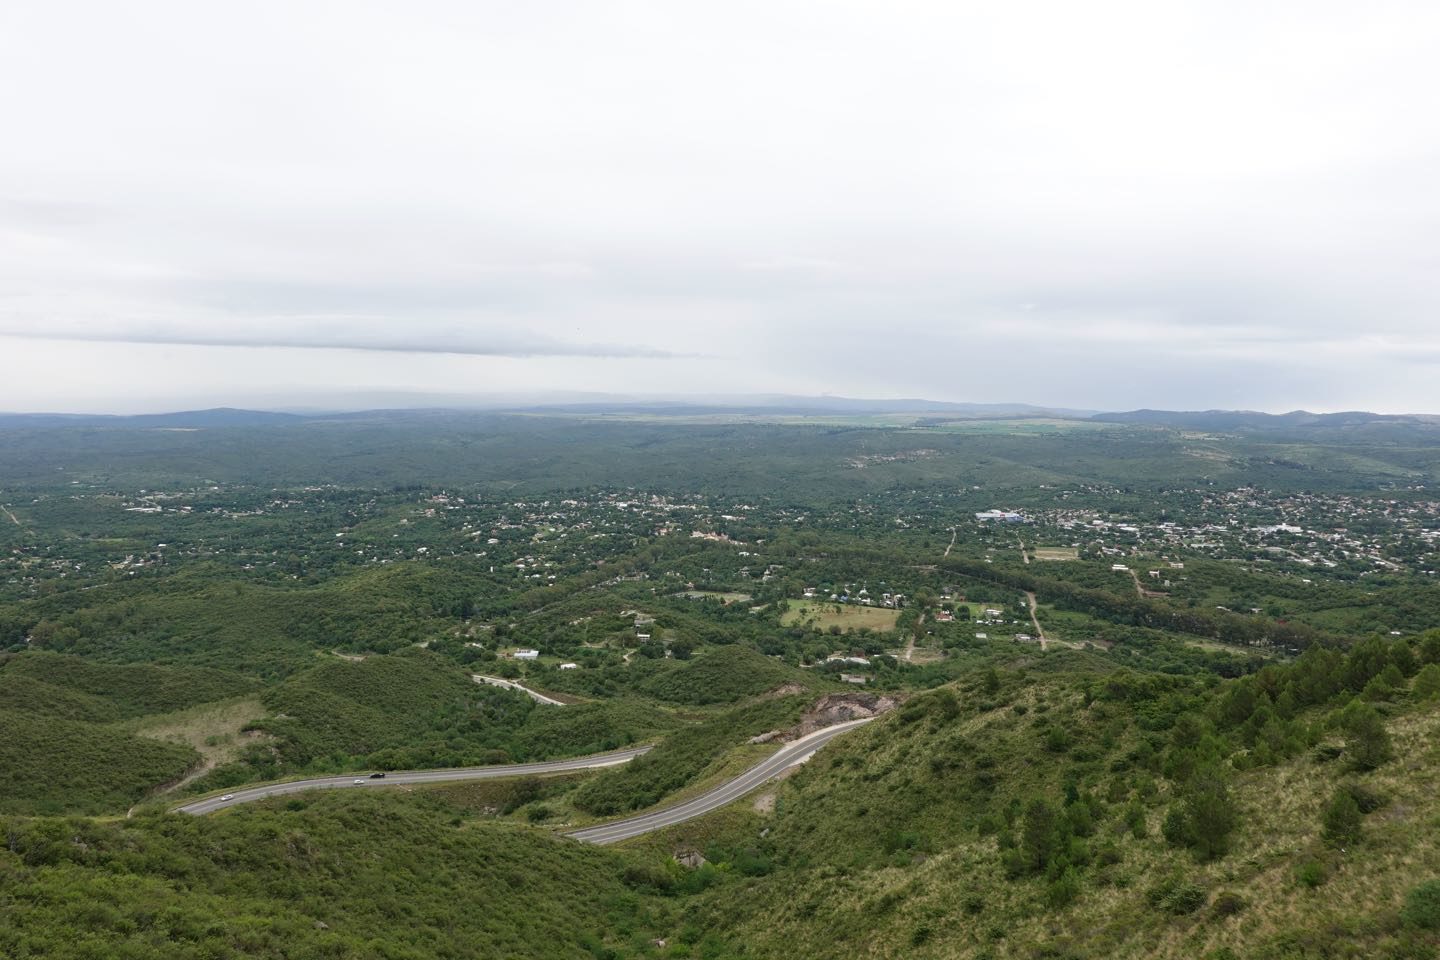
(1117, 689)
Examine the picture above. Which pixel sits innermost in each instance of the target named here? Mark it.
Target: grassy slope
(48, 765)
(102, 691)
(879, 851)
(328, 875)
(67, 730)
(217, 731)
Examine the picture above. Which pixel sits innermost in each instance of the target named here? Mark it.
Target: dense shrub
(1340, 822)
(1422, 906)
(50, 766)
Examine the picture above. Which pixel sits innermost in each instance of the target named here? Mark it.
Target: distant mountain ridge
(679, 406)
(760, 405)
(216, 417)
(1251, 419)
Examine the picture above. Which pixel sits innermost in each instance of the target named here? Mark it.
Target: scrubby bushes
(723, 675)
(50, 766)
(362, 874)
(1422, 906)
(72, 688)
(1340, 822)
(1205, 817)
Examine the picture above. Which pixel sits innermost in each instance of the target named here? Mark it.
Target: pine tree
(1427, 682)
(1340, 822)
(1039, 835)
(1210, 813)
(1369, 741)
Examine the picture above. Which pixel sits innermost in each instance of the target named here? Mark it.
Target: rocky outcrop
(831, 709)
(690, 859)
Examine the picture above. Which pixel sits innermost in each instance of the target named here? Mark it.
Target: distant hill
(1254, 420)
(193, 419)
(428, 406)
(774, 404)
(588, 405)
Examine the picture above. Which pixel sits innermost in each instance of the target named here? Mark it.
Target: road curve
(512, 685)
(403, 777)
(788, 756)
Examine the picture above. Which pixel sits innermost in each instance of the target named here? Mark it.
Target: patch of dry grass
(846, 616)
(1056, 553)
(215, 730)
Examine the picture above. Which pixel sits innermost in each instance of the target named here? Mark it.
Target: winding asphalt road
(402, 777)
(790, 755)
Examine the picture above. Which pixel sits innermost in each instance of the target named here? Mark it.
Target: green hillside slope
(1289, 815)
(325, 876)
(49, 765)
(725, 675)
(108, 690)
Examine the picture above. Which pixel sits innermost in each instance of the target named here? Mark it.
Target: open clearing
(1057, 553)
(213, 729)
(725, 597)
(846, 616)
(918, 654)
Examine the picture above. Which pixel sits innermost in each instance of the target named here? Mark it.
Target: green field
(847, 617)
(724, 596)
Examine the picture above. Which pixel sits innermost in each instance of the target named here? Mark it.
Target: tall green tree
(1210, 813)
(1369, 742)
(1039, 835)
(1340, 822)
(1427, 682)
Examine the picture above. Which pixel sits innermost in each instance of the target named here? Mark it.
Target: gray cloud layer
(1120, 204)
(344, 335)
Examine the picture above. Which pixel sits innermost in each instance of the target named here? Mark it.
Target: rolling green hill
(51, 765)
(84, 689)
(1075, 814)
(64, 745)
(725, 675)
(265, 630)
(412, 710)
(418, 710)
(323, 876)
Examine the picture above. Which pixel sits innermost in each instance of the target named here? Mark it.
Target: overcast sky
(1106, 204)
